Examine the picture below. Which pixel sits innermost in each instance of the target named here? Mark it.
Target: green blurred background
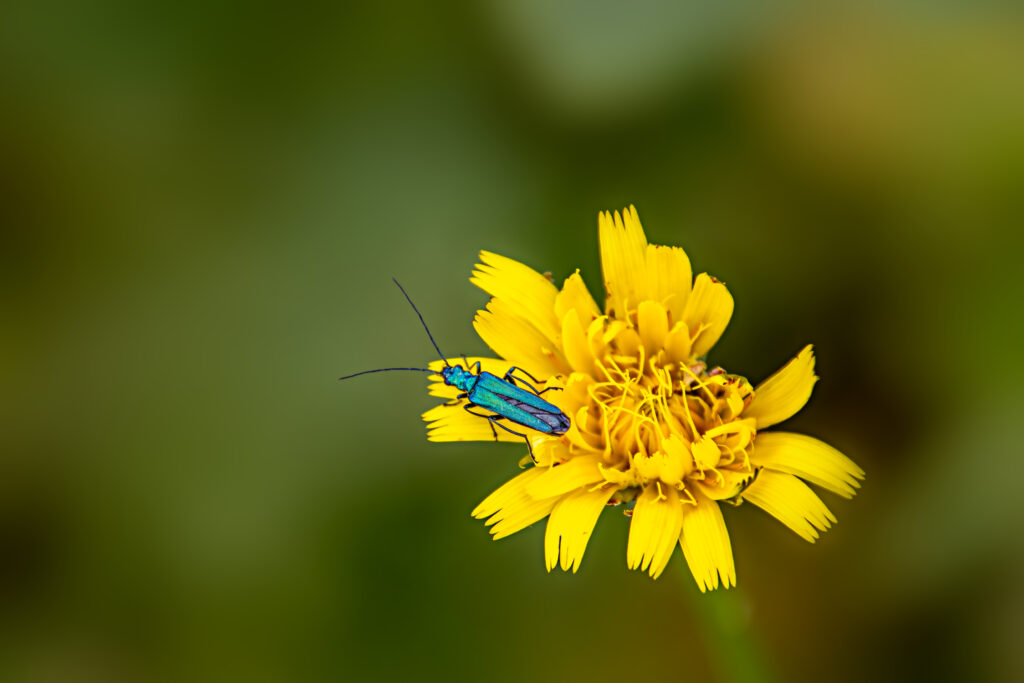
(203, 205)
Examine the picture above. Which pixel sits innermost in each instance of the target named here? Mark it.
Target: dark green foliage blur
(203, 205)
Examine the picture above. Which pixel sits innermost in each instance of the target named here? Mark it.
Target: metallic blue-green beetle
(503, 396)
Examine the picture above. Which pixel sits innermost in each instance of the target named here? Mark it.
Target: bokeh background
(203, 205)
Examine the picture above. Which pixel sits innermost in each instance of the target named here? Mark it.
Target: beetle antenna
(367, 372)
(423, 322)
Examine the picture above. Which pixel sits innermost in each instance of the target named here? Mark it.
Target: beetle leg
(491, 419)
(457, 400)
(509, 377)
(529, 446)
(514, 368)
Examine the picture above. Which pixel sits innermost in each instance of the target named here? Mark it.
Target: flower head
(654, 428)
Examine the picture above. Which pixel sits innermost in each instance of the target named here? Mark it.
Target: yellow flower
(653, 426)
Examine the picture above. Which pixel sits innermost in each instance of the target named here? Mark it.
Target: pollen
(654, 428)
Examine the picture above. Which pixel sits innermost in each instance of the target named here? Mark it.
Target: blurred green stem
(723, 618)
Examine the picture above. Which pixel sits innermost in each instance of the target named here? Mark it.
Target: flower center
(657, 421)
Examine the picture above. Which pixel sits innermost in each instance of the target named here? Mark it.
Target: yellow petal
(725, 484)
(669, 278)
(575, 344)
(808, 458)
(654, 529)
(628, 342)
(527, 294)
(513, 521)
(738, 433)
(652, 324)
(677, 343)
(707, 313)
(576, 296)
(601, 333)
(583, 440)
(453, 423)
(706, 452)
(622, 479)
(705, 543)
(790, 501)
(510, 509)
(549, 450)
(576, 391)
(623, 260)
(518, 341)
(511, 493)
(783, 394)
(669, 464)
(570, 526)
(555, 481)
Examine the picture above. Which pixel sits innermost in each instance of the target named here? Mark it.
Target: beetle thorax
(458, 377)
